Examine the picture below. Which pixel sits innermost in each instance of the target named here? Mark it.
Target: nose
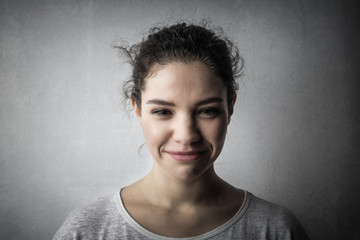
(185, 130)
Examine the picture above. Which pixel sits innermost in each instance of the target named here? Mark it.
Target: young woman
(183, 92)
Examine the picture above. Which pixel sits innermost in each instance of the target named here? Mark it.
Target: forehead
(194, 79)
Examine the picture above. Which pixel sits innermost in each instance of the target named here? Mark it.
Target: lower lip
(186, 157)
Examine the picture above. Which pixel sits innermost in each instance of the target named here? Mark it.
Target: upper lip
(186, 152)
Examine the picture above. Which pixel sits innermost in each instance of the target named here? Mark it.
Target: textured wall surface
(65, 140)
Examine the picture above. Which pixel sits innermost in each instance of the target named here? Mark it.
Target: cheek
(221, 133)
(216, 132)
(154, 134)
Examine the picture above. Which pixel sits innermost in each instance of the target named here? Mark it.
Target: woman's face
(184, 116)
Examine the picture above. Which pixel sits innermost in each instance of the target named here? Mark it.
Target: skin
(184, 117)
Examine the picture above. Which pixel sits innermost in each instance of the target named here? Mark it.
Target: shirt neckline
(206, 235)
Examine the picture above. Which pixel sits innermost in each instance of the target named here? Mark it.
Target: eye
(161, 112)
(209, 112)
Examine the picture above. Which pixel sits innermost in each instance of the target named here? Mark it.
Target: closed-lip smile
(185, 156)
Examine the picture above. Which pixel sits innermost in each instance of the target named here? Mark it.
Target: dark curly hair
(183, 43)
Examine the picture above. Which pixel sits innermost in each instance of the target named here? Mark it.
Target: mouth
(186, 156)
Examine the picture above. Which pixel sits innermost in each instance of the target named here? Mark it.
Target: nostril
(186, 135)
(187, 138)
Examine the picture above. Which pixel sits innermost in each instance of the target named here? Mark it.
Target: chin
(190, 174)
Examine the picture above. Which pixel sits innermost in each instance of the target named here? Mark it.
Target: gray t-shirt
(107, 218)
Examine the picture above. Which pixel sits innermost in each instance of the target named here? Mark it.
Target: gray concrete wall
(65, 140)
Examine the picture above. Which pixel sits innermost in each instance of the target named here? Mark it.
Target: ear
(136, 109)
(231, 107)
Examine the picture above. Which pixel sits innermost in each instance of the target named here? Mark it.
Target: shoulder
(272, 219)
(91, 219)
(95, 211)
(267, 210)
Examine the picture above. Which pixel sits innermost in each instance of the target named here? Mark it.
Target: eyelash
(207, 112)
(161, 112)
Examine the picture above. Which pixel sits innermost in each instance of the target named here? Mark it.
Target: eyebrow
(203, 102)
(160, 102)
(210, 100)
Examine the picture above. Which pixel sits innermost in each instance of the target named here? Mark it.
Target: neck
(167, 192)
